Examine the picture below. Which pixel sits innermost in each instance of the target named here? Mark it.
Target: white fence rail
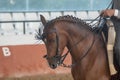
(27, 22)
(20, 27)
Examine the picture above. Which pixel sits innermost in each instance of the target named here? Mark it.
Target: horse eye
(45, 40)
(43, 36)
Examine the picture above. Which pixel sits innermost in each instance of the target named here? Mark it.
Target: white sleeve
(117, 13)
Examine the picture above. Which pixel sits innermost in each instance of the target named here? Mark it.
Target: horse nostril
(53, 66)
(45, 56)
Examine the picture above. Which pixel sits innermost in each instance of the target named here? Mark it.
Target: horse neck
(77, 40)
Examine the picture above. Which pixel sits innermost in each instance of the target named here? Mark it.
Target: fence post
(24, 30)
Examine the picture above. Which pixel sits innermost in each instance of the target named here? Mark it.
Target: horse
(87, 48)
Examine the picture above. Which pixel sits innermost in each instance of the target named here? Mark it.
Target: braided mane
(71, 19)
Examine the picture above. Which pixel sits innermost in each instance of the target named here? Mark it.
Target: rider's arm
(111, 12)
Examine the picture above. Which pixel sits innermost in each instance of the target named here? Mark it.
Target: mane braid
(70, 19)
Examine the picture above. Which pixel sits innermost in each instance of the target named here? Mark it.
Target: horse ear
(43, 20)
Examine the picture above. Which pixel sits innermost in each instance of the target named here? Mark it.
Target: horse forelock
(69, 19)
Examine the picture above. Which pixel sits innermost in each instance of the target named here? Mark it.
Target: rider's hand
(108, 13)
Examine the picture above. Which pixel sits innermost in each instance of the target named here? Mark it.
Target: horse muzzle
(53, 61)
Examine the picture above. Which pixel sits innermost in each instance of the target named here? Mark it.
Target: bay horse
(87, 49)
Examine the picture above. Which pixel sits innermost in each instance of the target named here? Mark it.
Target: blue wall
(52, 5)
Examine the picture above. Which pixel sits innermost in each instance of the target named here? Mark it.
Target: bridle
(60, 58)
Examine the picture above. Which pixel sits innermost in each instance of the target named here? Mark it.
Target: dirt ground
(44, 77)
(59, 76)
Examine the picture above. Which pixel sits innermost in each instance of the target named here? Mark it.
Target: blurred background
(21, 55)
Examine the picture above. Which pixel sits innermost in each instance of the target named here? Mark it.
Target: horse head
(52, 37)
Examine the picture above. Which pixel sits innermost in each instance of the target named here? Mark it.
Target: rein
(99, 17)
(62, 58)
(80, 59)
(101, 22)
